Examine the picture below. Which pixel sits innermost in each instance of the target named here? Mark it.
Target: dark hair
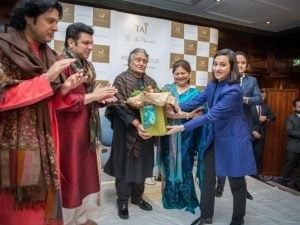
(135, 51)
(241, 53)
(183, 63)
(295, 101)
(234, 76)
(73, 31)
(32, 9)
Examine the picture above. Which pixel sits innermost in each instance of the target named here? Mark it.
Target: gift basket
(152, 105)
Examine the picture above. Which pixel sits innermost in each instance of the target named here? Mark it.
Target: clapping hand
(73, 81)
(109, 100)
(57, 68)
(101, 93)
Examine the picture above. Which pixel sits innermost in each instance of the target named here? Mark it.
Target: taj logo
(142, 29)
(204, 32)
(178, 29)
(102, 15)
(190, 46)
(66, 10)
(101, 52)
(202, 62)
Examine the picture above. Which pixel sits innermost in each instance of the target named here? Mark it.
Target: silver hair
(135, 51)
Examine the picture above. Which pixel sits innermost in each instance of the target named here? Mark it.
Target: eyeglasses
(144, 61)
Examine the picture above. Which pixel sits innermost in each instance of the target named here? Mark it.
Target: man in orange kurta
(29, 176)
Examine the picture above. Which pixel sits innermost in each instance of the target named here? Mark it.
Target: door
(281, 103)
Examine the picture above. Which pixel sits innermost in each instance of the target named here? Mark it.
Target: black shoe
(142, 204)
(123, 212)
(232, 223)
(196, 221)
(283, 181)
(202, 221)
(249, 196)
(158, 178)
(241, 222)
(219, 192)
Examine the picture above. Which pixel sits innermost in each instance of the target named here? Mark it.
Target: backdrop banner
(118, 33)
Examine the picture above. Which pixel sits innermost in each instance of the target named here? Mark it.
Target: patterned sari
(176, 157)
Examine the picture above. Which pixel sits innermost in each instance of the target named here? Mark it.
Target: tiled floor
(270, 206)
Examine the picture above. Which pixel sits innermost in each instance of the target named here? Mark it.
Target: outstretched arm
(196, 102)
(26, 93)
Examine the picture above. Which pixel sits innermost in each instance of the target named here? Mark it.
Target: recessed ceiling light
(268, 22)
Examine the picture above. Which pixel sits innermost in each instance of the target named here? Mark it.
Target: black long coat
(121, 163)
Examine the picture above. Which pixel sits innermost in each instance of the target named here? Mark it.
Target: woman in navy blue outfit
(229, 151)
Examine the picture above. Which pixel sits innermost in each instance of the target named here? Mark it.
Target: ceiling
(253, 14)
(283, 14)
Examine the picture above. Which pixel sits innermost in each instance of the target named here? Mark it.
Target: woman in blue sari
(176, 152)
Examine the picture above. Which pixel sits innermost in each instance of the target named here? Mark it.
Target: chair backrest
(106, 132)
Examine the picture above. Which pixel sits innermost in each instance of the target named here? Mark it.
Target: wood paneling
(5, 9)
(281, 104)
(258, 61)
(267, 56)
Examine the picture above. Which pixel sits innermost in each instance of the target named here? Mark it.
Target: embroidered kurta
(20, 99)
(78, 163)
(26, 93)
